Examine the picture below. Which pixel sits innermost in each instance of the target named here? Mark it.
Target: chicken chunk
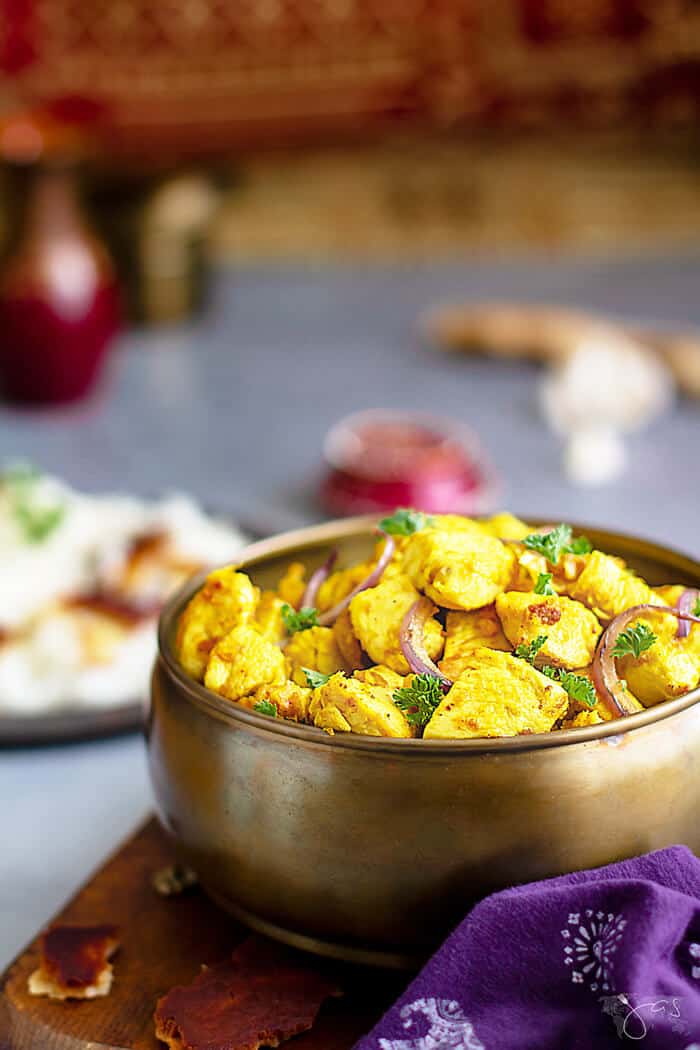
(381, 675)
(226, 599)
(460, 523)
(241, 662)
(395, 566)
(497, 695)
(571, 630)
(348, 706)
(467, 631)
(339, 584)
(668, 669)
(346, 640)
(293, 584)
(530, 564)
(315, 648)
(669, 593)
(376, 616)
(507, 527)
(588, 717)
(459, 570)
(290, 700)
(268, 617)
(608, 587)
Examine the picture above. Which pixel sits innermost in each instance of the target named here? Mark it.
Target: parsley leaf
(419, 701)
(634, 641)
(404, 522)
(529, 650)
(557, 542)
(37, 520)
(544, 584)
(315, 678)
(577, 686)
(265, 707)
(696, 607)
(299, 620)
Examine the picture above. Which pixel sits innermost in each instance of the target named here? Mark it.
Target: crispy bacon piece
(263, 995)
(75, 962)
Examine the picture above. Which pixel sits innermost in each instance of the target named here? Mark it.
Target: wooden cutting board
(164, 941)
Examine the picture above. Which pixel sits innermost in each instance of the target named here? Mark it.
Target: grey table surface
(233, 408)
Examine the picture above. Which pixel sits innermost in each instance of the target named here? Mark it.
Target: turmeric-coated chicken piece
(293, 584)
(377, 614)
(459, 523)
(226, 599)
(467, 631)
(346, 640)
(497, 695)
(339, 584)
(315, 648)
(382, 675)
(608, 587)
(458, 570)
(590, 716)
(290, 700)
(669, 593)
(507, 527)
(669, 668)
(241, 662)
(346, 705)
(571, 630)
(529, 565)
(268, 617)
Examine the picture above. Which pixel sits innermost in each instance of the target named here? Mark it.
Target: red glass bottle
(59, 303)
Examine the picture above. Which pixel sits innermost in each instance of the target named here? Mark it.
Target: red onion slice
(604, 671)
(685, 603)
(331, 615)
(412, 638)
(308, 600)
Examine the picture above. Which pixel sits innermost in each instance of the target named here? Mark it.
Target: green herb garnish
(696, 607)
(577, 686)
(544, 584)
(265, 707)
(419, 701)
(529, 650)
(404, 522)
(634, 641)
(36, 521)
(557, 542)
(299, 620)
(315, 678)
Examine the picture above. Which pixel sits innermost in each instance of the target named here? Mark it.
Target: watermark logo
(634, 1016)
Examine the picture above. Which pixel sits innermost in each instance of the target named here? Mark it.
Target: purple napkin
(586, 961)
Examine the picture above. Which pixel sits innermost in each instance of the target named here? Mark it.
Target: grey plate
(69, 725)
(81, 723)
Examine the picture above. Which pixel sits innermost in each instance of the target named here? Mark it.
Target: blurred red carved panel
(190, 76)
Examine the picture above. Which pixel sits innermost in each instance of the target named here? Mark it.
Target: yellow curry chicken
(454, 628)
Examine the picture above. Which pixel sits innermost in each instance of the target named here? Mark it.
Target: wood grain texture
(164, 941)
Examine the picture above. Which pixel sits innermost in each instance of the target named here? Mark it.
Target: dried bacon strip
(74, 962)
(262, 996)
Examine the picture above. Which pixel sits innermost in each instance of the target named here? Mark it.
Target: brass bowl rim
(232, 714)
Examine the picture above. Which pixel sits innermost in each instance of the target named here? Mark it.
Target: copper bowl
(370, 849)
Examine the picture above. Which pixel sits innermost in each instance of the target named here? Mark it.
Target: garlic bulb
(610, 385)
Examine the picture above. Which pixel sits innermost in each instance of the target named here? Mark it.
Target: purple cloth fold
(587, 961)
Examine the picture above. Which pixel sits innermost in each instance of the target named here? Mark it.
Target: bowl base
(350, 953)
